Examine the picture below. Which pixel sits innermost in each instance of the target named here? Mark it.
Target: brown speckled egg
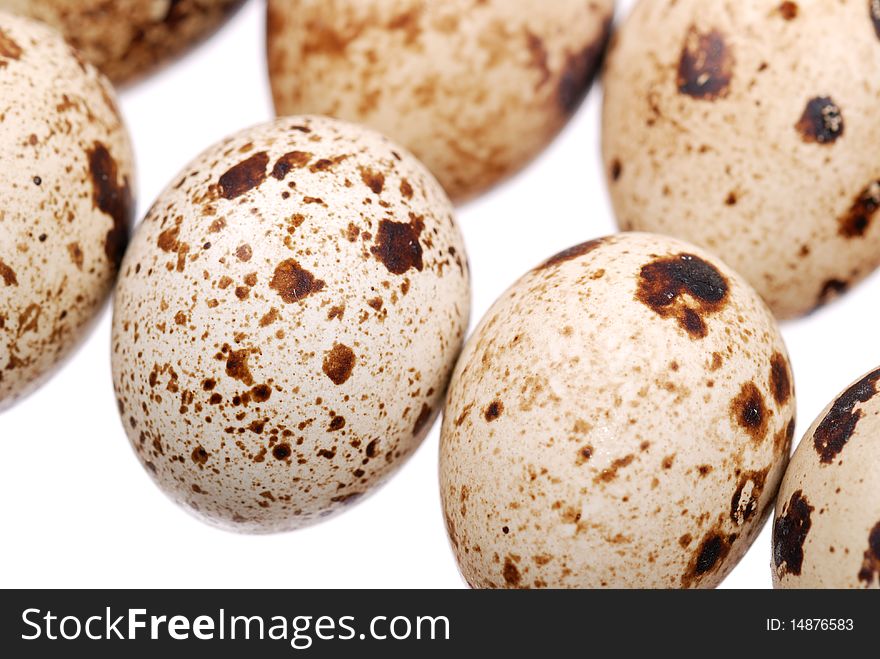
(620, 418)
(475, 88)
(127, 38)
(66, 173)
(751, 128)
(286, 322)
(826, 533)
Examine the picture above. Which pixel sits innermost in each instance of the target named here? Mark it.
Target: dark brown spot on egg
(281, 451)
(7, 274)
(750, 412)
(397, 245)
(780, 379)
(510, 573)
(112, 197)
(709, 557)
(789, 533)
(422, 419)
(406, 189)
(244, 176)
(616, 169)
(831, 289)
(840, 422)
(857, 219)
(237, 366)
(744, 503)
(571, 253)
(493, 410)
(244, 252)
(293, 283)
(821, 122)
(705, 68)
(336, 423)
(261, 393)
(373, 179)
(580, 69)
(684, 287)
(789, 10)
(200, 455)
(9, 49)
(610, 473)
(289, 161)
(584, 454)
(871, 562)
(339, 363)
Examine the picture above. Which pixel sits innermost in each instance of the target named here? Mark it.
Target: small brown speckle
(493, 410)
(750, 412)
(293, 283)
(373, 179)
(510, 573)
(339, 363)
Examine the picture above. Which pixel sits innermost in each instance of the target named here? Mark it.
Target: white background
(77, 509)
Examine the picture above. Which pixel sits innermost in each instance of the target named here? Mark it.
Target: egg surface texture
(826, 533)
(127, 38)
(621, 417)
(475, 88)
(750, 128)
(286, 322)
(65, 201)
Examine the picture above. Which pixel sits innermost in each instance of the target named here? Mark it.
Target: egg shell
(621, 417)
(475, 88)
(286, 322)
(826, 532)
(750, 128)
(128, 38)
(65, 201)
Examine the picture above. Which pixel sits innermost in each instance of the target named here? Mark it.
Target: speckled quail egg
(750, 128)
(286, 322)
(826, 533)
(65, 201)
(127, 38)
(621, 417)
(475, 88)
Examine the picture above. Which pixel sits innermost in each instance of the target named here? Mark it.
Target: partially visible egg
(65, 200)
(621, 417)
(286, 322)
(475, 88)
(128, 38)
(826, 533)
(750, 128)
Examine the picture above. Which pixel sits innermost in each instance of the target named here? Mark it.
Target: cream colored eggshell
(127, 38)
(826, 532)
(592, 440)
(286, 322)
(65, 201)
(716, 149)
(475, 88)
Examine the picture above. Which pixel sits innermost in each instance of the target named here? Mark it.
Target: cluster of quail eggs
(290, 317)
